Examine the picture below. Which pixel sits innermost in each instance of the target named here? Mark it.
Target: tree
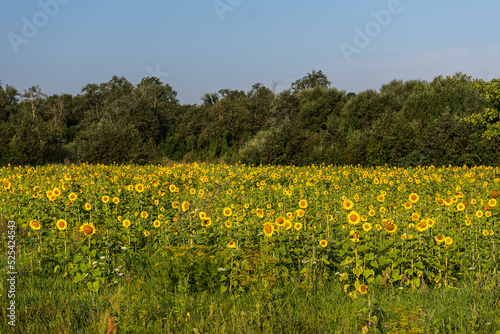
(488, 117)
(311, 80)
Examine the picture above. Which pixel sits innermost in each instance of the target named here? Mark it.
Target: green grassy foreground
(149, 303)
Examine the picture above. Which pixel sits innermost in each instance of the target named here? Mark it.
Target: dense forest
(450, 120)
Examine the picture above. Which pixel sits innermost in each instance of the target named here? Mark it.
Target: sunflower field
(230, 228)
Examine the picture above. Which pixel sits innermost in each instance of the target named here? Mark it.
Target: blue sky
(202, 46)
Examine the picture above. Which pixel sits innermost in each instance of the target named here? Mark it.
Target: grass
(150, 303)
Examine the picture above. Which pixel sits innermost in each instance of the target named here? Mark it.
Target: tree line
(450, 120)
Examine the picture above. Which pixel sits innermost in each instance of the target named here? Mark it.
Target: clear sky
(202, 46)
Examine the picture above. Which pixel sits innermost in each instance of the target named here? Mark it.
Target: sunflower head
(88, 229)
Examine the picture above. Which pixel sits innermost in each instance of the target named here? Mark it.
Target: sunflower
(56, 192)
(448, 241)
(146, 234)
(378, 227)
(413, 198)
(371, 213)
(407, 205)
(468, 222)
(185, 206)
(227, 212)
(206, 222)
(415, 216)
(88, 229)
(363, 289)
(35, 224)
(172, 188)
(280, 221)
(144, 215)
(323, 243)
(492, 202)
(298, 226)
(268, 230)
(303, 204)
(354, 236)
(300, 213)
(353, 217)
(422, 226)
(88, 206)
(460, 207)
(228, 224)
(202, 215)
(231, 244)
(72, 197)
(192, 191)
(439, 238)
(380, 198)
(61, 224)
(479, 214)
(116, 200)
(126, 223)
(105, 199)
(139, 188)
(494, 193)
(390, 226)
(367, 227)
(156, 223)
(347, 205)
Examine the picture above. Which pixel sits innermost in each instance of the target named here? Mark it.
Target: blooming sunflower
(146, 234)
(175, 204)
(126, 223)
(227, 212)
(367, 227)
(300, 213)
(486, 233)
(105, 199)
(228, 224)
(348, 205)
(185, 206)
(268, 230)
(363, 289)
(231, 244)
(448, 241)
(35, 224)
(139, 188)
(144, 215)
(72, 196)
(116, 200)
(298, 226)
(479, 214)
(206, 222)
(88, 206)
(413, 198)
(61, 224)
(88, 229)
(323, 243)
(302, 204)
(353, 217)
(156, 223)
